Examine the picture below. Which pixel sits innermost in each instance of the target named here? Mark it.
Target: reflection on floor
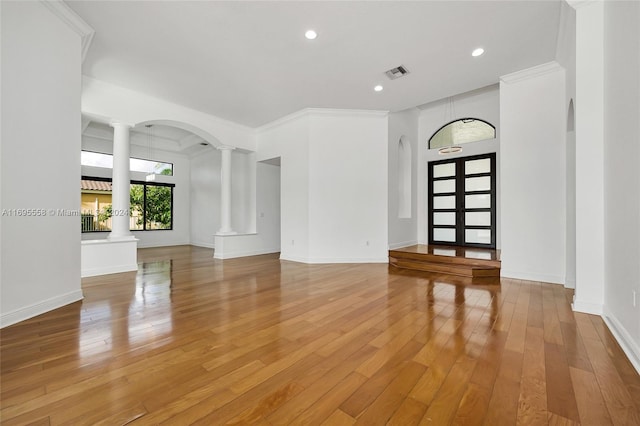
(190, 339)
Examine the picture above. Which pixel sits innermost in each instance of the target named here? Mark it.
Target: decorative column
(225, 191)
(120, 183)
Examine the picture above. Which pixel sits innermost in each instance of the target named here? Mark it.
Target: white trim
(39, 308)
(570, 283)
(325, 260)
(93, 272)
(162, 244)
(73, 21)
(531, 276)
(247, 253)
(532, 72)
(587, 307)
(622, 335)
(393, 246)
(203, 244)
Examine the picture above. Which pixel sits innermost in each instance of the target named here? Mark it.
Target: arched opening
(570, 278)
(404, 178)
(448, 138)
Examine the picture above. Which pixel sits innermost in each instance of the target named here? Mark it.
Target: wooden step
(447, 260)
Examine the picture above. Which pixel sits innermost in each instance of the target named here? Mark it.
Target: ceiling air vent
(397, 72)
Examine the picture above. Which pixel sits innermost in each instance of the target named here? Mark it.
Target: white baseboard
(622, 335)
(236, 254)
(171, 244)
(393, 246)
(203, 244)
(529, 276)
(587, 307)
(108, 270)
(570, 283)
(323, 260)
(36, 309)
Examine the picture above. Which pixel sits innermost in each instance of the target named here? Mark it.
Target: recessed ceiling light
(311, 34)
(378, 88)
(479, 51)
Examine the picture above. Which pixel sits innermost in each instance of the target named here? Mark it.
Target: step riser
(463, 270)
(458, 261)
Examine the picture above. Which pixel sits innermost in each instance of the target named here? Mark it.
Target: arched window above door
(462, 131)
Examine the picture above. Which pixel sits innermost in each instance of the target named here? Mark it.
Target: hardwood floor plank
(189, 339)
(473, 406)
(503, 405)
(532, 403)
(561, 398)
(591, 406)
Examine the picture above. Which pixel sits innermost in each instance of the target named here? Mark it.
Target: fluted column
(225, 191)
(120, 182)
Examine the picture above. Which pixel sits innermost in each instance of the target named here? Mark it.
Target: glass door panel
(462, 201)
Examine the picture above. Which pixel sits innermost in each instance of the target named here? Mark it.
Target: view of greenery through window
(151, 205)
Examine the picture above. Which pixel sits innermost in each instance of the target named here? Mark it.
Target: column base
(229, 232)
(128, 237)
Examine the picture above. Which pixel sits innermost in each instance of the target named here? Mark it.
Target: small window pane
(444, 218)
(158, 207)
(477, 218)
(477, 166)
(477, 201)
(443, 186)
(136, 207)
(477, 236)
(477, 184)
(444, 234)
(444, 202)
(444, 170)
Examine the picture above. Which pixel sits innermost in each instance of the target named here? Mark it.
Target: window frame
(462, 119)
(130, 158)
(144, 212)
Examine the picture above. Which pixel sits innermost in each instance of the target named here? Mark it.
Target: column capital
(116, 123)
(226, 148)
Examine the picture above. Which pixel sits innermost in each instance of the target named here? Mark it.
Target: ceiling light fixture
(311, 35)
(378, 88)
(450, 111)
(479, 51)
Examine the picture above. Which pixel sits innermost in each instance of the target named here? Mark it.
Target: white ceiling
(249, 61)
(166, 138)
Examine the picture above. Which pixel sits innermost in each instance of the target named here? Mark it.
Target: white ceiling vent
(397, 72)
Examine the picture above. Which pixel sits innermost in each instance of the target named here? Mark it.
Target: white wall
(180, 234)
(288, 139)
(205, 197)
(483, 103)
(40, 162)
(533, 130)
(333, 184)
(403, 230)
(621, 177)
(348, 160)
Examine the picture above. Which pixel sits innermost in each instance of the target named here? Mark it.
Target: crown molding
(73, 21)
(577, 4)
(532, 72)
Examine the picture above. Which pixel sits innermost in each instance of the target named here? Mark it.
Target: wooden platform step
(459, 261)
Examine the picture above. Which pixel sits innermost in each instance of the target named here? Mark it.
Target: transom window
(461, 131)
(98, 159)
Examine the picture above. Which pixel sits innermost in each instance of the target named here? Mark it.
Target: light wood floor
(190, 339)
